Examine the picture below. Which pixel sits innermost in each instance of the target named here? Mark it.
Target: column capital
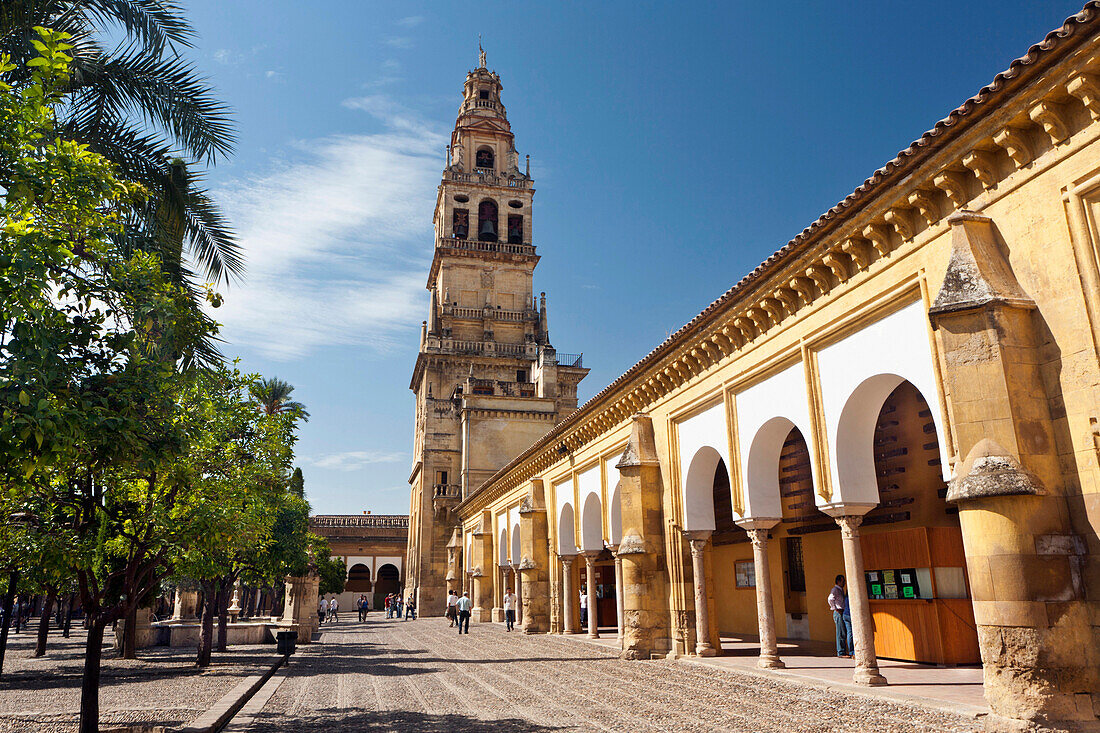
(567, 560)
(614, 549)
(590, 556)
(758, 536)
(697, 539)
(849, 524)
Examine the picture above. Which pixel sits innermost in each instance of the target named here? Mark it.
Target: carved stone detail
(837, 262)
(953, 183)
(1086, 87)
(984, 167)
(900, 221)
(926, 205)
(880, 238)
(1052, 117)
(1014, 141)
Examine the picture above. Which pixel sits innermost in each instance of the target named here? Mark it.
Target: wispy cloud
(355, 460)
(337, 239)
(399, 42)
(410, 21)
(227, 57)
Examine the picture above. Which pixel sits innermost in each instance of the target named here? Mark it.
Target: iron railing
(571, 360)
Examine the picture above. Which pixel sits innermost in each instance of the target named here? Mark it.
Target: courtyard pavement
(391, 675)
(162, 687)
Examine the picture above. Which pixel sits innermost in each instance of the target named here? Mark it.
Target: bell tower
(488, 382)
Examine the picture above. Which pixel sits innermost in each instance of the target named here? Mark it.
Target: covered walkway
(953, 689)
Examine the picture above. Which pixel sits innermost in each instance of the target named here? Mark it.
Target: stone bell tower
(487, 381)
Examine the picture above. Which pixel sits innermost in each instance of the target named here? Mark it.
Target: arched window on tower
(484, 160)
(487, 221)
(515, 229)
(460, 224)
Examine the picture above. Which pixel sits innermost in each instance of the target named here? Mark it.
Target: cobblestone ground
(161, 687)
(422, 676)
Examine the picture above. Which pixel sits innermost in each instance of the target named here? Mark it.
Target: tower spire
(480, 53)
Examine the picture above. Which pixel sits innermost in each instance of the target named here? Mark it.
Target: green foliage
(333, 571)
(140, 105)
(273, 397)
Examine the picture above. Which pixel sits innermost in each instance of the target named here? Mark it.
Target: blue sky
(674, 146)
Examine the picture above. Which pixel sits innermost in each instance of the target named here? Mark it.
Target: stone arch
(567, 538)
(615, 518)
(388, 581)
(358, 579)
(762, 497)
(502, 552)
(515, 544)
(856, 479)
(592, 524)
(699, 489)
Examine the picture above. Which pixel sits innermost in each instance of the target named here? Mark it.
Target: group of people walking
(458, 610)
(328, 608)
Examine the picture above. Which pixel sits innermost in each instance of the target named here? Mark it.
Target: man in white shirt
(509, 609)
(333, 607)
(842, 617)
(584, 607)
(322, 610)
(464, 605)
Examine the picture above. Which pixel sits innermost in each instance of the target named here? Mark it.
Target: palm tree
(146, 109)
(273, 397)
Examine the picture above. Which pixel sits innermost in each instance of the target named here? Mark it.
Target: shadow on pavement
(395, 720)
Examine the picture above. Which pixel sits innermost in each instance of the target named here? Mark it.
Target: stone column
(863, 633)
(300, 606)
(484, 570)
(765, 610)
(187, 602)
(645, 580)
(1019, 500)
(590, 582)
(698, 541)
(534, 563)
(568, 594)
(618, 589)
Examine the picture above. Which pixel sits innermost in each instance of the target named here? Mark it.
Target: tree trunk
(129, 635)
(69, 614)
(89, 685)
(44, 622)
(223, 612)
(9, 599)
(206, 628)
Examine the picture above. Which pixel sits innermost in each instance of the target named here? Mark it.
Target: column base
(593, 635)
(705, 651)
(868, 677)
(770, 662)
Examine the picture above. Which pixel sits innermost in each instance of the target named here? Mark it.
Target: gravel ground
(161, 687)
(422, 676)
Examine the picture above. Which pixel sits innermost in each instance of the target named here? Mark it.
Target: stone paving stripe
(213, 719)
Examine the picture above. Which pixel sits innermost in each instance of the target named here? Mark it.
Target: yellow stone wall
(1027, 155)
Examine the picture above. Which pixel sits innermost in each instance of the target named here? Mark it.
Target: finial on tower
(481, 53)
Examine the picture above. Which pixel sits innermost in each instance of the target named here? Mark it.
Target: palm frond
(153, 23)
(163, 91)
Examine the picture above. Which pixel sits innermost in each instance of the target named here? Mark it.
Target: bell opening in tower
(484, 160)
(460, 224)
(487, 221)
(515, 229)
